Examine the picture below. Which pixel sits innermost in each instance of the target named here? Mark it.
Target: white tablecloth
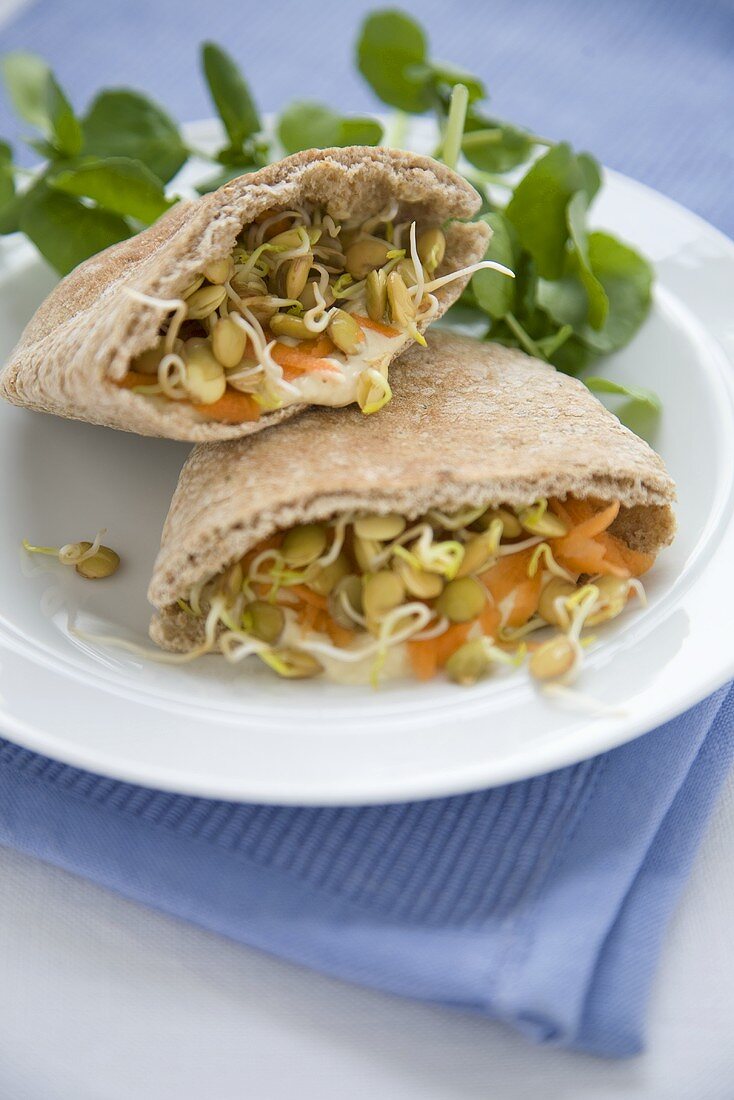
(102, 999)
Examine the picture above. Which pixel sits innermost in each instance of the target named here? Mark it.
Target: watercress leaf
(308, 125)
(573, 356)
(123, 123)
(359, 131)
(305, 125)
(66, 132)
(537, 208)
(640, 412)
(444, 76)
(564, 299)
(598, 302)
(118, 184)
(230, 94)
(627, 278)
(497, 147)
(66, 231)
(634, 393)
(493, 291)
(26, 76)
(392, 53)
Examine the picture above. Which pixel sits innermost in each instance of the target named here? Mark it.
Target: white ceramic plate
(239, 732)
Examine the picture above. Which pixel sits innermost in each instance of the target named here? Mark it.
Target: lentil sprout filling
(303, 310)
(463, 593)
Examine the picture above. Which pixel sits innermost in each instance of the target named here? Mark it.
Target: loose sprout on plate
(304, 310)
(91, 560)
(361, 596)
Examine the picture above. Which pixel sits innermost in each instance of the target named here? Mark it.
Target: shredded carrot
(135, 378)
(318, 348)
(376, 326)
(423, 659)
(510, 577)
(595, 524)
(509, 572)
(585, 556)
(339, 635)
(307, 596)
(307, 615)
(635, 561)
(490, 620)
(301, 359)
(588, 548)
(448, 642)
(560, 508)
(525, 601)
(427, 655)
(232, 407)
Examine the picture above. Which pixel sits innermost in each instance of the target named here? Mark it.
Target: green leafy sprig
(578, 295)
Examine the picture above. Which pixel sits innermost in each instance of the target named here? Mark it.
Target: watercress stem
(525, 340)
(455, 121)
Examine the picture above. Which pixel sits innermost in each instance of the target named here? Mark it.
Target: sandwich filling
(363, 596)
(304, 310)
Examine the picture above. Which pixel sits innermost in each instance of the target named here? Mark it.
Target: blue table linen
(541, 903)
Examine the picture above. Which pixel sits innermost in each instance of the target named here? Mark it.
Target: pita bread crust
(83, 337)
(470, 423)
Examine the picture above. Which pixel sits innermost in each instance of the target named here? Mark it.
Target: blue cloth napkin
(542, 903)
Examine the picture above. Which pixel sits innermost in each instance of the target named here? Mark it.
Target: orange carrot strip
(576, 510)
(508, 573)
(448, 642)
(525, 601)
(318, 348)
(339, 635)
(307, 596)
(299, 360)
(597, 523)
(136, 378)
(579, 555)
(560, 509)
(635, 561)
(307, 615)
(423, 660)
(232, 407)
(427, 655)
(376, 326)
(490, 620)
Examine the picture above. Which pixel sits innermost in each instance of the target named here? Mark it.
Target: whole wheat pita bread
(470, 423)
(81, 340)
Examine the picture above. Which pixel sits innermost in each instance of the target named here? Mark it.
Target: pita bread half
(80, 342)
(471, 423)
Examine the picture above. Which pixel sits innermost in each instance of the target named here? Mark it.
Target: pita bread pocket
(294, 285)
(493, 497)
